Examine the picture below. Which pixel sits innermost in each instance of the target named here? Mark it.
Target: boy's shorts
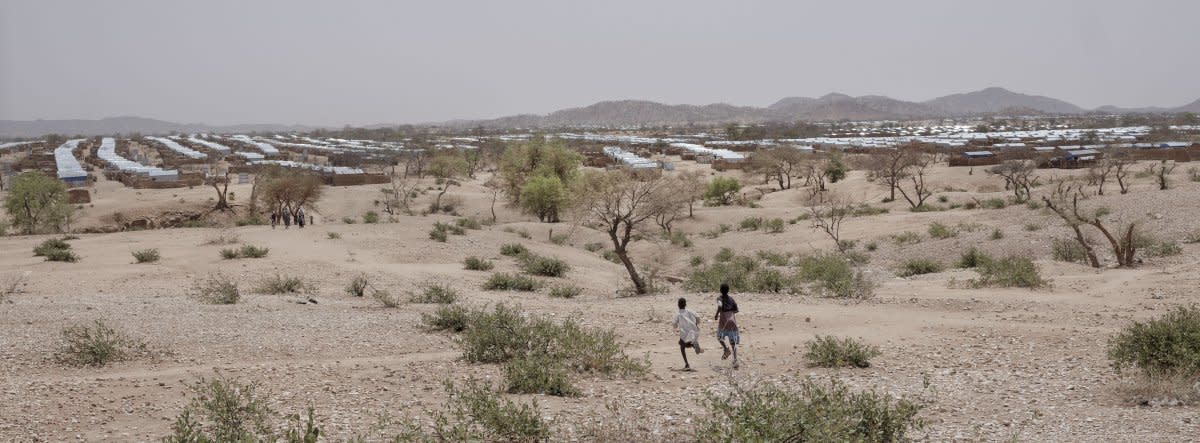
(687, 344)
(732, 335)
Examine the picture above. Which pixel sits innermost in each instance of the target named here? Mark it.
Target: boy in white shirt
(689, 333)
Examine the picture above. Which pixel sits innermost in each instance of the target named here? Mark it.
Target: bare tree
(447, 167)
(918, 164)
(828, 217)
(398, 195)
(620, 204)
(889, 167)
(220, 183)
(496, 187)
(1099, 172)
(1123, 246)
(1018, 177)
(1161, 172)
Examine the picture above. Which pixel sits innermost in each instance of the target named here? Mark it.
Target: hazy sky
(366, 62)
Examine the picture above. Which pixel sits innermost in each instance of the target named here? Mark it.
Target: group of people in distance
(687, 323)
(284, 216)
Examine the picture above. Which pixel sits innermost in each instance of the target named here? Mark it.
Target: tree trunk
(639, 285)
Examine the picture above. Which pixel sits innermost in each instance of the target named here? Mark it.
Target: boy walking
(689, 333)
(727, 324)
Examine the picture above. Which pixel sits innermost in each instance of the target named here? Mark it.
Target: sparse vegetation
(1163, 346)
(511, 282)
(280, 284)
(371, 217)
(773, 226)
(814, 411)
(224, 237)
(96, 345)
(750, 224)
(435, 293)
(941, 231)
(971, 258)
(544, 266)
(333, 235)
(51, 244)
(385, 298)
(513, 250)
(477, 264)
(906, 238)
(216, 289)
(1069, 251)
(830, 352)
(832, 275)
(146, 255)
(1008, 272)
(538, 375)
(1151, 246)
(919, 266)
(228, 410)
(569, 291)
(997, 234)
(453, 318)
(358, 286)
(721, 190)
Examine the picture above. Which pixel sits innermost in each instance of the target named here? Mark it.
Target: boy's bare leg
(683, 351)
(724, 355)
(735, 359)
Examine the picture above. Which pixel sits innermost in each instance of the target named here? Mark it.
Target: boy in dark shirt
(727, 324)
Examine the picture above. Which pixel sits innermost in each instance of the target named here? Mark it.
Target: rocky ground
(990, 364)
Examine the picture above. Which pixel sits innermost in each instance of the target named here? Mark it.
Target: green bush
(559, 239)
(971, 258)
(940, 231)
(371, 217)
(871, 246)
(544, 266)
(224, 410)
(349, 220)
(1163, 346)
(477, 264)
(510, 282)
(513, 249)
(814, 412)
(438, 235)
(279, 284)
(1067, 250)
(538, 375)
(680, 239)
(740, 273)
(724, 255)
(994, 203)
(695, 261)
(436, 293)
(481, 414)
(358, 286)
(919, 266)
(95, 345)
(751, 224)
(1008, 272)
(63, 255)
(53, 244)
(470, 223)
(829, 352)
(565, 291)
(593, 247)
(251, 251)
(386, 298)
(453, 318)
(503, 334)
(773, 226)
(997, 234)
(720, 191)
(230, 253)
(833, 276)
(1032, 227)
(544, 196)
(146, 255)
(216, 289)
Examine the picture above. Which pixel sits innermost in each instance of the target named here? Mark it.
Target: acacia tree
(446, 166)
(289, 189)
(1121, 167)
(37, 203)
(828, 217)
(779, 164)
(621, 204)
(917, 166)
(536, 158)
(1099, 172)
(1018, 177)
(889, 167)
(1122, 243)
(220, 183)
(398, 195)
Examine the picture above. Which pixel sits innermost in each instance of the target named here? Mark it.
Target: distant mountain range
(830, 107)
(126, 125)
(624, 113)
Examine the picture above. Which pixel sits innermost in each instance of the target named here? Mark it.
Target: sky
(370, 62)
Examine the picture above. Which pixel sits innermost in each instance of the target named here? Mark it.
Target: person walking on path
(727, 327)
(300, 218)
(689, 333)
(287, 219)
(274, 219)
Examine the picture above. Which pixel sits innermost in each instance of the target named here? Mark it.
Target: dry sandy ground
(994, 364)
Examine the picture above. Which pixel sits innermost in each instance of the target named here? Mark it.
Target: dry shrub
(223, 237)
(146, 255)
(830, 352)
(96, 345)
(216, 289)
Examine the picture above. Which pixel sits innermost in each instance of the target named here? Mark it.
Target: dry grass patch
(96, 345)
(216, 289)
